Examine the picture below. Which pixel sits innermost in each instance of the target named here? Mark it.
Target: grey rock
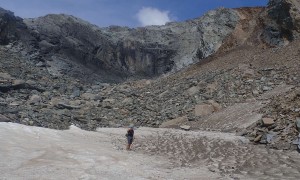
(76, 92)
(267, 88)
(35, 99)
(185, 127)
(62, 105)
(298, 123)
(41, 64)
(4, 119)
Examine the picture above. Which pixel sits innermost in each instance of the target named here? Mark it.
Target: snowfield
(40, 153)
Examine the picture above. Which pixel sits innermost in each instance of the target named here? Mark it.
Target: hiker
(129, 135)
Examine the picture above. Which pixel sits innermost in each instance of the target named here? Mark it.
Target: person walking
(130, 136)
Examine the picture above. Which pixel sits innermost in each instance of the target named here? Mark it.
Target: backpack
(130, 133)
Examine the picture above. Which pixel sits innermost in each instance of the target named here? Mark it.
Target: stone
(62, 105)
(107, 103)
(161, 95)
(148, 82)
(267, 121)
(174, 122)
(40, 64)
(185, 127)
(193, 90)
(76, 92)
(18, 82)
(4, 118)
(267, 88)
(14, 103)
(35, 99)
(298, 123)
(270, 137)
(255, 92)
(127, 101)
(88, 96)
(258, 138)
(203, 109)
(5, 76)
(217, 106)
(248, 73)
(31, 82)
(210, 88)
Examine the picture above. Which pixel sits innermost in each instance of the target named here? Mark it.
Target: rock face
(283, 22)
(148, 51)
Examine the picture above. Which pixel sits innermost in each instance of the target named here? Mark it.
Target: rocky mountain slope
(53, 71)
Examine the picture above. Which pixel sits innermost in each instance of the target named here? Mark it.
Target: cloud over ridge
(153, 16)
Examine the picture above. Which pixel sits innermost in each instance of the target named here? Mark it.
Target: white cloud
(152, 16)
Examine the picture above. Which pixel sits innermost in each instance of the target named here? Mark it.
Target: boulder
(267, 88)
(298, 123)
(88, 96)
(210, 88)
(35, 99)
(248, 73)
(127, 101)
(4, 118)
(185, 127)
(174, 122)
(258, 138)
(193, 90)
(18, 82)
(267, 121)
(108, 103)
(217, 106)
(5, 76)
(203, 109)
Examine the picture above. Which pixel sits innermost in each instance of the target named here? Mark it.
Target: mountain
(233, 70)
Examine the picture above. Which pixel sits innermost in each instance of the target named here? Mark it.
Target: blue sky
(130, 13)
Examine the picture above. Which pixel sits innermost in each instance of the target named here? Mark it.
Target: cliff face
(145, 51)
(282, 21)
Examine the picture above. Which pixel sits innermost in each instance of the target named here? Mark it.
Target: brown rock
(174, 122)
(203, 110)
(257, 139)
(210, 88)
(217, 106)
(267, 121)
(248, 73)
